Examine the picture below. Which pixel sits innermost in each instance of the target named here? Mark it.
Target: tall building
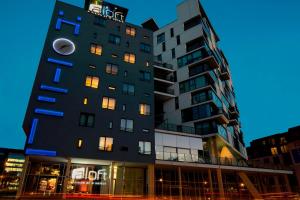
(198, 94)
(120, 109)
(92, 104)
(280, 150)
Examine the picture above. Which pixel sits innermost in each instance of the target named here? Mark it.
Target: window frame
(106, 147)
(94, 47)
(129, 58)
(142, 151)
(90, 83)
(146, 108)
(127, 91)
(86, 121)
(112, 39)
(125, 128)
(109, 69)
(107, 105)
(131, 31)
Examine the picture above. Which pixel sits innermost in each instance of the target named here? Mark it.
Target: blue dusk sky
(259, 37)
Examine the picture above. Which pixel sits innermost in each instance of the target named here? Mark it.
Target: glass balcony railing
(170, 78)
(206, 96)
(164, 90)
(163, 65)
(190, 158)
(176, 128)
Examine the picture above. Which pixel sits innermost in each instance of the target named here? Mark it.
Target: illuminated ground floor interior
(76, 178)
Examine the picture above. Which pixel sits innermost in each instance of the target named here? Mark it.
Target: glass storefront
(89, 179)
(10, 174)
(44, 178)
(48, 179)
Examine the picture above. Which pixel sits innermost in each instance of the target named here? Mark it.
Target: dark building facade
(92, 98)
(278, 151)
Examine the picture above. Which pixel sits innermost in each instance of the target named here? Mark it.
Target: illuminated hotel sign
(107, 10)
(84, 173)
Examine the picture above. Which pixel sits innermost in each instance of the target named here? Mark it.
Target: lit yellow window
(79, 143)
(144, 109)
(92, 81)
(96, 49)
(105, 143)
(108, 103)
(130, 31)
(274, 151)
(85, 101)
(129, 57)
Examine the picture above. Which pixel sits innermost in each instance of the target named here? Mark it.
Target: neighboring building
(11, 166)
(278, 151)
(91, 124)
(198, 92)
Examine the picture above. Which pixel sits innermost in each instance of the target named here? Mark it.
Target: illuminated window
(111, 69)
(274, 151)
(128, 89)
(79, 143)
(126, 125)
(92, 81)
(87, 119)
(147, 64)
(85, 101)
(144, 109)
(145, 148)
(96, 49)
(284, 149)
(130, 31)
(129, 57)
(106, 143)
(108, 103)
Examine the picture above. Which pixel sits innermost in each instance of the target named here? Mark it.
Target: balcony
(204, 112)
(162, 66)
(234, 113)
(168, 79)
(221, 116)
(176, 128)
(205, 96)
(233, 122)
(224, 74)
(163, 93)
(193, 158)
(200, 56)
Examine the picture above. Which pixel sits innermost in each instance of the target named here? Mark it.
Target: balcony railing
(189, 158)
(206, 96)
(164, 90)
(163, 65)
(164, 77)
(176, 128)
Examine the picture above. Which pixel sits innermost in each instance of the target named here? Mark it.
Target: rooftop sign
(106, 10)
